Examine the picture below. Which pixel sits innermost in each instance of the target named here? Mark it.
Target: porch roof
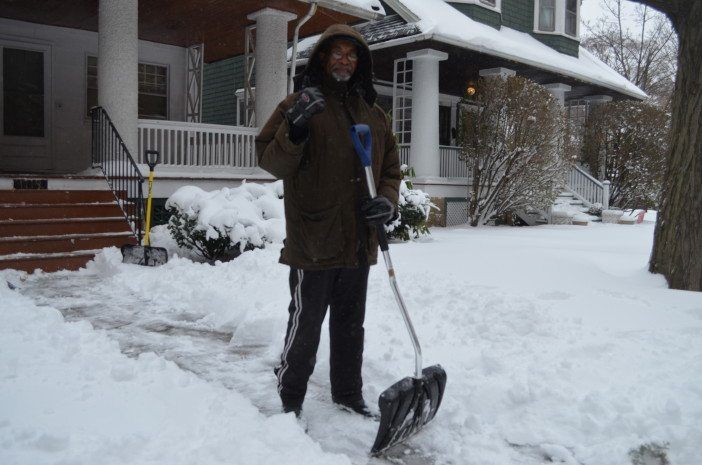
(219, 24)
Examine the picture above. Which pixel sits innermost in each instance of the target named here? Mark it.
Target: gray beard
(341, 77)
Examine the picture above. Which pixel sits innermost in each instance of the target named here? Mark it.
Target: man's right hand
(309, 102)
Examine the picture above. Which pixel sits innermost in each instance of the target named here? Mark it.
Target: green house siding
(480, 14)
(560, 43)
(518, 14)
(221, 80)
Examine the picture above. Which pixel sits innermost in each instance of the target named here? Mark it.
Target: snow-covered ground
(559, 347)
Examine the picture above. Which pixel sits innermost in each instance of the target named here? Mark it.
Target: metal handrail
(112, 156)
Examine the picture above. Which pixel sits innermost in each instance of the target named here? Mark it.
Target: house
(72, 178)
(447, 46)
(188, 70)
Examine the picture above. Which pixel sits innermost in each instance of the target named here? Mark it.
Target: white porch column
(118, 60)
(271, 67)
(424, 147)
(558, 90)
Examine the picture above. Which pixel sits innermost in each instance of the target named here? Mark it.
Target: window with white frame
(547, 15)
(557, 17)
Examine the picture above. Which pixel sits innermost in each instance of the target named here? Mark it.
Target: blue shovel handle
(362, 142)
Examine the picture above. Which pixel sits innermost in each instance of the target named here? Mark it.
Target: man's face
(341, 60)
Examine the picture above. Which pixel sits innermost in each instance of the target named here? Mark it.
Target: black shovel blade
(144, 255)
(408, 405)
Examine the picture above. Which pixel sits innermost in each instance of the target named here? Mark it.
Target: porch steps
(53, 230)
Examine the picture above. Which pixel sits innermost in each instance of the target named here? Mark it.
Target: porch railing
(196, 144)
(450, 166)
(121, 171)
(404, 152)
(586, 188)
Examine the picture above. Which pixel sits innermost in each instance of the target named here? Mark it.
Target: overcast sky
(590, 10)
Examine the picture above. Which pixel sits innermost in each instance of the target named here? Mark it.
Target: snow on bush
(221, 224)
(627, 144)
(414, 206)
(515, 141)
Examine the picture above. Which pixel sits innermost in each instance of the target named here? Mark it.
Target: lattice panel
(456, 211)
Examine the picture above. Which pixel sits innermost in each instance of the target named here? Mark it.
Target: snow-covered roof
(437, 20)
(388, 28)
(367, 9)
(445, 24)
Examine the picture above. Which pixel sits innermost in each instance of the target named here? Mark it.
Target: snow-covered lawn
(558, 344)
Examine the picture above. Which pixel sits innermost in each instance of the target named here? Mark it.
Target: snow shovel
(409, 404)
(145, 254)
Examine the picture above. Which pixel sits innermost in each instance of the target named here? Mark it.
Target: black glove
(378, 210)
(310, 101)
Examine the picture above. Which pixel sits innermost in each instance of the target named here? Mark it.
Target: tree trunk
(677, 246)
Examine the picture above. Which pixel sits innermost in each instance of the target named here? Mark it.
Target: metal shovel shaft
(393, 283)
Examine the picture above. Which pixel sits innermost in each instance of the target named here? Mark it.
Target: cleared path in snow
(206, 353)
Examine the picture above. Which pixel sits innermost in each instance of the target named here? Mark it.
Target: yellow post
(148, 209)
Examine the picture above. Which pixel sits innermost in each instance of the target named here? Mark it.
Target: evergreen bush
(414, 206)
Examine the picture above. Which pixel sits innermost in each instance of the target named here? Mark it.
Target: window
(23, 92)
(489, 2)
(153, 92)
(571, 17)
(153, 89)
(547, 15)
(556, 17)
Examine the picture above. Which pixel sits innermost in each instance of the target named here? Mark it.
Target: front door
(25, 129)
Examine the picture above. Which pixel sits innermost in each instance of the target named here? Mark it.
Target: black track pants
(343, 290)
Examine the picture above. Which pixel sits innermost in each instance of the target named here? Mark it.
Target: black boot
(295, 408)
(356, 406)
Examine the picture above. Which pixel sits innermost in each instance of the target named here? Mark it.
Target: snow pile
(249, 215)
(559, 347)
(67, 395)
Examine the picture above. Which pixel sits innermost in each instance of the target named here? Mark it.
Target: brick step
(69, 243)
(31, 196)
(59, 210)
(48, 262)
(48, 227)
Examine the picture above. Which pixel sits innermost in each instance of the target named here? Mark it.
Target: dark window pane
(153, 107)
(23, 92)
(547, 15)
(571, 20)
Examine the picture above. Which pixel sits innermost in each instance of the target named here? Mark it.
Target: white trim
(497, 8)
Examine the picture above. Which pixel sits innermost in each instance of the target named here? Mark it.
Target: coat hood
(362, 80)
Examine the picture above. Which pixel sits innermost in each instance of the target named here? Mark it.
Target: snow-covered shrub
(414, 206)
(221, 224)
(627, 143)
(595, 209)
(650, 454)
(516, 142)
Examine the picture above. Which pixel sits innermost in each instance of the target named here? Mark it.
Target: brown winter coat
(323, 180)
